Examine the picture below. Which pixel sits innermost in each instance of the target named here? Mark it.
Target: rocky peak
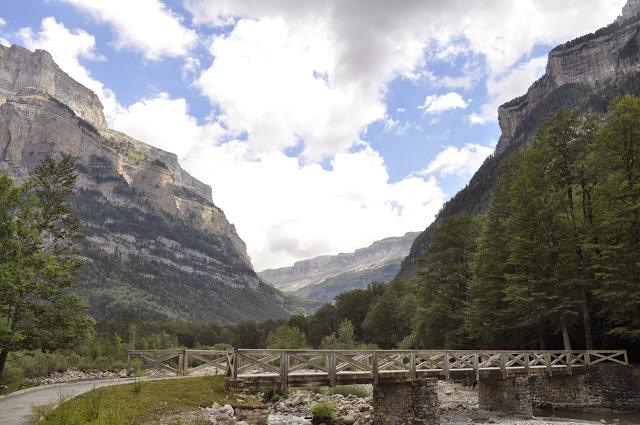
(630, 10)
(21, 69)
(592, 60)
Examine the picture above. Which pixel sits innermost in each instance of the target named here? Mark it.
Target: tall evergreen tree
(38, 262)
(445, 277)
(487, 319)
(616, 159)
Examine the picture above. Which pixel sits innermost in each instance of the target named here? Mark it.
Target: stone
(608, 386)
(347, 420)
(506, 395)
(406, 403)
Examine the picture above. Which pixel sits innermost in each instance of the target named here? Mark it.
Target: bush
(323, 411)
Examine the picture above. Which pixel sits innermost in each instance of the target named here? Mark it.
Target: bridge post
(406, 403)
(510, 395)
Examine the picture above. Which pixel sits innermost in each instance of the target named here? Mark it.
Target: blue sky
(321, 126)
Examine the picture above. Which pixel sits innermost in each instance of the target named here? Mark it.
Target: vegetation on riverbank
(136, 404)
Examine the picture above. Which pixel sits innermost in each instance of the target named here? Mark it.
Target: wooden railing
(331, 367)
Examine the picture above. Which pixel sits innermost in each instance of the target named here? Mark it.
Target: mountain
(156, 245)
(324, 277)
(582, 74)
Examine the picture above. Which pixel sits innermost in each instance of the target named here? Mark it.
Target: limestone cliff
(324, 277)
(156, 243)
(585, 74)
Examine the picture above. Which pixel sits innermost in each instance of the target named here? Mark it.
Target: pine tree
(487, 319)
(616, 160)
(445, 277)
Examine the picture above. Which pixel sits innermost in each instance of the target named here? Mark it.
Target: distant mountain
(582, 74)
(324, 277)
(156, 245)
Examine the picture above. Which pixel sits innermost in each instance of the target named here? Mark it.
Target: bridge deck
(284, 368)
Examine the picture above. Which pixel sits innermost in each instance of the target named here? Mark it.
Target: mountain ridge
(156, 244)
(321, 278)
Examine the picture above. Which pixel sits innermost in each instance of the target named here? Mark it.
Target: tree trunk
(565, 335)
(3, 359)
(586, 318)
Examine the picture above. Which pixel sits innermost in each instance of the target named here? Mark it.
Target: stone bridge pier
(406, 403)
(510, 395)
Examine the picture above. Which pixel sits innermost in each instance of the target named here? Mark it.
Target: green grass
(141, 403)
(323, 410)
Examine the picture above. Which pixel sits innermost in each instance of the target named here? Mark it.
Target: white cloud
(327, 35)
(67, 49)
(278, 83)
(165, 123)
(462, 161)
(144, 25)
(288, 211)
(509, 86)
(3, 22)
(436, 104)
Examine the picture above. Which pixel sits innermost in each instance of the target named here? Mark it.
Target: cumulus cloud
(276, 83)
(500, 34)
(148, 26)
(68, 47)
(289, 211)
(436, 104)
(462, 161)
(3, 22)
(166, 123)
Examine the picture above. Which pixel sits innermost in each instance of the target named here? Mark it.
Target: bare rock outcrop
(155, 241)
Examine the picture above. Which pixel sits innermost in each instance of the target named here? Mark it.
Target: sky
(321, 125)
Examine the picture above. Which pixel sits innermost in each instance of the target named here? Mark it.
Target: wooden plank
(332, 370)
(412, 362)
(374, 368)
(476, 367)
(284, 371)
(445, 363)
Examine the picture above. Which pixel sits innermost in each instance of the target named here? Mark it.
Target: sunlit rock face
(156, 244)
(586, 74)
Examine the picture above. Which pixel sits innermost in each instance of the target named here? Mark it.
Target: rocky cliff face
(156, 243)
(324, 277)
(585, 73)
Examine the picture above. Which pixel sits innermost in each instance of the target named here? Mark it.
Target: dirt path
(15, 408)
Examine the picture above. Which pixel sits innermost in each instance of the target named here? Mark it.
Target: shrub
(323, 410)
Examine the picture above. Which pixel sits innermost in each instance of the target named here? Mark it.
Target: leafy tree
(487, 319)
(247, 335)
(565, 138)
(354, 305)
(286, 337)
(343, 339)
(616, 160)
(38, 262)
(322, 323)
(389, 320)
(445, 277)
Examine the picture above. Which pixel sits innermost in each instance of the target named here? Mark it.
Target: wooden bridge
(285, 368)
